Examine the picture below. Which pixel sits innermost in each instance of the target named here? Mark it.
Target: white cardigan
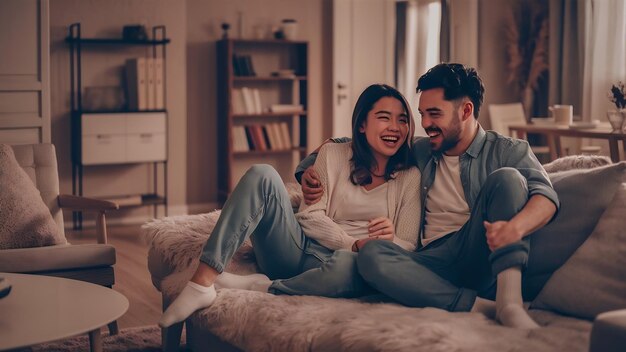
(333, 167)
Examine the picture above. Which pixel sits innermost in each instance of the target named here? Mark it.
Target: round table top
(44, 308)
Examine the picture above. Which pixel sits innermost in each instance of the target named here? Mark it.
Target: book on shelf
(240, 141)
(284, 130)
(248, 100)
(256, 94)
(286, 108)
(237, 102)
(266, 138)
(136, 72)
(242, 65)
(125, 200)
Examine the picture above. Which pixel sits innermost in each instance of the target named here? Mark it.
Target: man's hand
(501, 233)
(381, 228)
(312, 188)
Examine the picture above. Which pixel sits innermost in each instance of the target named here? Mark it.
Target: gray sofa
(578, 305)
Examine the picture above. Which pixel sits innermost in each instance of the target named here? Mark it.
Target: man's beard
(451, 138)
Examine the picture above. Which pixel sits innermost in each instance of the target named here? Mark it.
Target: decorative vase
(616, 119)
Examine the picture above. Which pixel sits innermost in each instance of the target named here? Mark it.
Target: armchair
(88, 262)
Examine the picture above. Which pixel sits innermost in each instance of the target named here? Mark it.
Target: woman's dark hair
(457, 82)
(362, 157)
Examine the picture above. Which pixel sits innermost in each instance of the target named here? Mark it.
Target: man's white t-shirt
(446, 208)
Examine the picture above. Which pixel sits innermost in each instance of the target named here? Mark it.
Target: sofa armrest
(608, 332)
(67, 201)
(70, 202)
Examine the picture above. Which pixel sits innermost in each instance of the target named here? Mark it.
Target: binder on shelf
(159, 89)
(136, 71)
(151, 91)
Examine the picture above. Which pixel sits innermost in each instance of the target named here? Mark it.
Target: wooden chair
(504, 115)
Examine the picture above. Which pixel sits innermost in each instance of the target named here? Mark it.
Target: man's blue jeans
(449, 272)
(259, 208)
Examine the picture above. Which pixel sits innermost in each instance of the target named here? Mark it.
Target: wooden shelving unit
(97, 145)
(267, 56)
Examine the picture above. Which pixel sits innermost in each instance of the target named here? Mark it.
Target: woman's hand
(358, 244)
(312, 188)
(381, 228)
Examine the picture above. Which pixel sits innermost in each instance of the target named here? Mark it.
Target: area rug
(138, 339)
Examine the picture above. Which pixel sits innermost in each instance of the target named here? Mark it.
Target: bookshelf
(262, 107)
(126, 135)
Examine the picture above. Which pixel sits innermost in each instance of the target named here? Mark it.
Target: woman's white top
(401, 204)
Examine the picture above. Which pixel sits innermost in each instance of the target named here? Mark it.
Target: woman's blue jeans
(259, 208)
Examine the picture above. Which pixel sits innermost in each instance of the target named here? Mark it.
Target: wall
(492, 55)
(102, 67)
(194, 26)
(204, 19)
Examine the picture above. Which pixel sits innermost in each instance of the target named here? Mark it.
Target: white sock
(192, 298)
(485, 307)
(509, 304)
(261, 285)
(242, 282)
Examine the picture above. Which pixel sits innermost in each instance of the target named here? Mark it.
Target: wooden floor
(132, 278)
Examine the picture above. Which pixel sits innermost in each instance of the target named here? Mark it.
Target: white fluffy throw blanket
(255, 321)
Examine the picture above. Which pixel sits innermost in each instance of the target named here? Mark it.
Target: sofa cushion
(25, 221)
(593, 280)
(584, 195)
(61, 257)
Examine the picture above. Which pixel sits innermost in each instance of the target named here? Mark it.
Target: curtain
(567, 38)
(604, 54)
(418, 34)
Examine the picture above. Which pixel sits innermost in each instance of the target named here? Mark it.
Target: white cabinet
(123, 138)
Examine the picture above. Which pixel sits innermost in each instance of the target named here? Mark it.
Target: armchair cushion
(54, 258)
(593, 280)
(25, 220)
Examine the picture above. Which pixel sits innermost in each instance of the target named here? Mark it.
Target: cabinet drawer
(145, 147)
(103, 149)
(145, 123)
(93, 124)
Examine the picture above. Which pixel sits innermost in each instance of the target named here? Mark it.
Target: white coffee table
(43, 308)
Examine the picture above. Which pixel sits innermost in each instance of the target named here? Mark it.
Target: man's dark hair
(362, 156)
(457, 82)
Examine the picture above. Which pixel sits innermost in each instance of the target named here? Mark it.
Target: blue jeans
(451, 271)
(259, 208)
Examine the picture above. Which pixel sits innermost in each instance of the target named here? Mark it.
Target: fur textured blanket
(254, 321)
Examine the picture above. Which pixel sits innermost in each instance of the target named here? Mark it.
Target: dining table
(553, 133)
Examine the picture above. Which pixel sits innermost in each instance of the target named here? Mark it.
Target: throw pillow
(25, 221)
(584, 195)
(593, 280)
(577, 162)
